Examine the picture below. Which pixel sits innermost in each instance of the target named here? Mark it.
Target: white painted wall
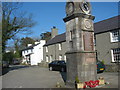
(37, 55)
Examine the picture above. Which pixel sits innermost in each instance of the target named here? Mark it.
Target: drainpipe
(96, 55)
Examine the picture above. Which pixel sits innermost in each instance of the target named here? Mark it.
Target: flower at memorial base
(101, 80)
(91, 84)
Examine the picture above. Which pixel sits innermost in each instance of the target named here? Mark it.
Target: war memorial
(81, 59)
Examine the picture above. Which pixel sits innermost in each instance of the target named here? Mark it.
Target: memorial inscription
(88, 41)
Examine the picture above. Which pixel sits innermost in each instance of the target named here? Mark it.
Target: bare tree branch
(12, 23)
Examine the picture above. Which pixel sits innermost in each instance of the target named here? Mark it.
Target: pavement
(110, 77)
(38, 77)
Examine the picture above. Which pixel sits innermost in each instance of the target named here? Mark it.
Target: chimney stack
(29, 45)
(54, 31)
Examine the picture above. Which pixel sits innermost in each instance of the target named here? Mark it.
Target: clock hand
(86, 7)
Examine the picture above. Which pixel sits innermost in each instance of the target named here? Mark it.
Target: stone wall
(43, 64)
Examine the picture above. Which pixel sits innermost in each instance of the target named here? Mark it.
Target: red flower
(91, 83)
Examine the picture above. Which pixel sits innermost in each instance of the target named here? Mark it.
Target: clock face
(70, 8)
(85, 6)
(87, 24)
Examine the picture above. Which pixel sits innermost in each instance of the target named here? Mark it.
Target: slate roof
(57, 39)
(107, 25)
(99, 27)
(30, 47)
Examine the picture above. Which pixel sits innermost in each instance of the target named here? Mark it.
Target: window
(60, 57)
(65, 58)
(31, 50)
(47, 58)
(115, 55)
(115, 37)
(46, 49)
(61, 62)
(51, 58)
(95, 41)
(60, 46)
(28, 51)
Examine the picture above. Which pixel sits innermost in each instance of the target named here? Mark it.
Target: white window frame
(114, 38)
(65, 58)
(71, 33)
(60, 46)
(51, 58)
(113, 55)
(46, 48)
(26, 51)
(31, 50)
(47, 58)
(60, 57)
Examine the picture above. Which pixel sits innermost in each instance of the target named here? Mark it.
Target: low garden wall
(43, 64)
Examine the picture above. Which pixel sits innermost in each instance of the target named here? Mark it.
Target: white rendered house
(33, 54)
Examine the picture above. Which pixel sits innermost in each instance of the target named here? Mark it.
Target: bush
(8, 57)
(77, 79)
(103, 61)
(17, 55)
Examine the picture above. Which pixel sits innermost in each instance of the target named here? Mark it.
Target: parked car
(57, 65)
(61, 66)
(16, 62)
(100, 66)
(5, 64)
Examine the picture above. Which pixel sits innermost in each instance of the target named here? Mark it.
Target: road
(38, 77)
(31, 77)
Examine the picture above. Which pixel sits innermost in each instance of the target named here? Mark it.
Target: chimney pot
(29, 45)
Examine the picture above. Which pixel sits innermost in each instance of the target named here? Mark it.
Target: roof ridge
(60, 34)
(57, 36)
(107, 19)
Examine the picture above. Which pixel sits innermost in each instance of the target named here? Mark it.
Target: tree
(12, 23)
(17, 48)
(8, 56)
(25, 41)
(36, 38)
(45, 36)
(0, 34)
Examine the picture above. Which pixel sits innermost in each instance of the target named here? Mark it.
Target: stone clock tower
(81, 61)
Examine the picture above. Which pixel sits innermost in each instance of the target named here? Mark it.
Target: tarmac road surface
(31, 77)
(38, 77)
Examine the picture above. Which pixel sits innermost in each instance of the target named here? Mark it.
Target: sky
(49, 14)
